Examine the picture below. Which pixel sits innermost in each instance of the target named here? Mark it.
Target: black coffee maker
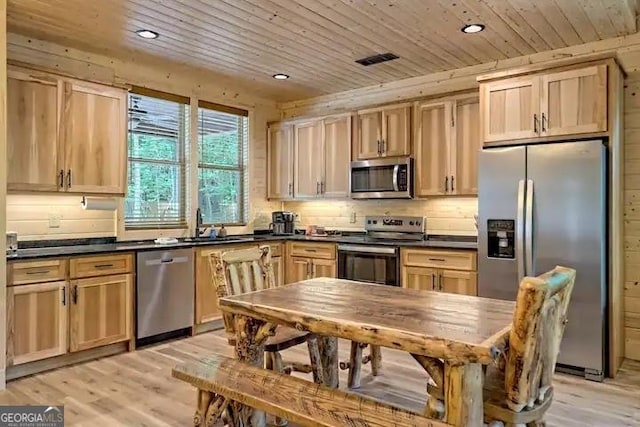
(282, 223)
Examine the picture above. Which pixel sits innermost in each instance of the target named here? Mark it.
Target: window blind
(222, 161)
(157, 144)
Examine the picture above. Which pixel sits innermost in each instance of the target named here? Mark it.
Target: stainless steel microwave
(389, 178)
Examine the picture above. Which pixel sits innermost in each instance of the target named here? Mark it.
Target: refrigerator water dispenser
(501, 238)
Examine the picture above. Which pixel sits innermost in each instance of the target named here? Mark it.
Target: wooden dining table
(451, 336)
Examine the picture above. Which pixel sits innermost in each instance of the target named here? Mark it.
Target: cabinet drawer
(38, 271)
(276, 249)
(312, 250)
(103, 265)
(452, 260)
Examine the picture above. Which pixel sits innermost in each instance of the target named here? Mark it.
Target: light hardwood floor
(136, 389)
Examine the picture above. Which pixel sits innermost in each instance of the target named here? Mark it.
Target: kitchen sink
(217, 239)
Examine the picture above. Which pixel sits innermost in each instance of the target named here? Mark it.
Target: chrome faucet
(199, 221)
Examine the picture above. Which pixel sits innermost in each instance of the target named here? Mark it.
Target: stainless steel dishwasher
(165, 293)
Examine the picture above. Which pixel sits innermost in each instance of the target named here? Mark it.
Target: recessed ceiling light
(147, 34)
(472, 28)
(280, 76)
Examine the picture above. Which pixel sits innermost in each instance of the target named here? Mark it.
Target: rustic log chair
(518, 390)
(247, 270)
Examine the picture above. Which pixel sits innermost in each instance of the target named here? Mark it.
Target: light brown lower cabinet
(440, 270)
(100, 311)
(308, 268)
(278, 269)
(36, 322)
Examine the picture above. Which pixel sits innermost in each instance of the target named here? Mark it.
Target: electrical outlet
(54, 220)
(352, 218)
(297, 217)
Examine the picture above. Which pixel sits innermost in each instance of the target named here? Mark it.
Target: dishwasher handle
(172, 260)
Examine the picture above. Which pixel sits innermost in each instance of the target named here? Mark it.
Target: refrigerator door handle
(520, 230)
(528, 230)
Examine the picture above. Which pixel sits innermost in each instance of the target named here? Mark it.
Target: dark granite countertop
(98, 246)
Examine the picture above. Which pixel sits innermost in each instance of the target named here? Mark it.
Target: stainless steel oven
(366, 263)
(382, 178)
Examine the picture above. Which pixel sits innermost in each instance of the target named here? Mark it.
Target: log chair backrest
(241, 271)
(534, 340)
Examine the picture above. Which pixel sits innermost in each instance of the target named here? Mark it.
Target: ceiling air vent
(376, 59)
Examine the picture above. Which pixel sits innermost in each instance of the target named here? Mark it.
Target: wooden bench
(223, 384)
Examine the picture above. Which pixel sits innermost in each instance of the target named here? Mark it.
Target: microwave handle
(396, 169)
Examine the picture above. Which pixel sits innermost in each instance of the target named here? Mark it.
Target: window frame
(181, 163)
(243, 164)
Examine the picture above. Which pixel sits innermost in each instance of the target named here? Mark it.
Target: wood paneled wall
(446, 215)
(3, 186)
(632, 214)
(29, 215)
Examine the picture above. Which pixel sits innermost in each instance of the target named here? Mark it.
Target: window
(222, 159)
(157, 144)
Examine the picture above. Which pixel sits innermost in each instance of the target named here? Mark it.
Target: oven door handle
(368, 249)
(396, 170)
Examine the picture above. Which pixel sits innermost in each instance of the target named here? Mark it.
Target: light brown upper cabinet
(33, 111)
(309, 160)
(383, 132)
(510, 108)
(574, 101)
(94, 138)
(337, 149)
(544, 105)
(447, 142)
(280, 161)
(322, 157)
(65, 135)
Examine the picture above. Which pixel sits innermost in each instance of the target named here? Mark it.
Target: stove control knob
(369, 222)
(411, 223)
(375, 222)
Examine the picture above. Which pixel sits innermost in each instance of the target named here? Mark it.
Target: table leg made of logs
(251, 337)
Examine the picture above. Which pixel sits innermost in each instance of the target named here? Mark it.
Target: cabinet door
(298, 269)
(309, 160)
(337, 149)
(422, 278)
(100, 311)
(433, 135)
(206, 304)
(280, 162)
(36, 322)
(574, 101)
(396, 131)
(278, 270)
(33, 110)
(95, 138)
(324, 268)
(369, 134)
(510, 108)
(464, 155)
(458, 282)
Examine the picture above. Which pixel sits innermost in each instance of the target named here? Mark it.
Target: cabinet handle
(317, 187)
(38, 272)
(543, 120)
(74, 294)
(310, 250)
(322, 187)
(437, 259)
(535, 123)
(379, 148)
(69, 179)
(382, 143)
(102, 265)
(440, 282)
(453, 123)
(290, 189)
(446, 184)
(433, 282)
(64, 295)
(61, 178)
(452, 188)
(308, 270)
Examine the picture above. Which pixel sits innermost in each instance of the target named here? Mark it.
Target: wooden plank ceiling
(317, 41)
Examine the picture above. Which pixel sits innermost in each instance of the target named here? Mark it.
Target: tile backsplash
(446, 215)
(38, 217)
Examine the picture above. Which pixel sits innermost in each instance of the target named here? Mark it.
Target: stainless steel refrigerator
(541, 206)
